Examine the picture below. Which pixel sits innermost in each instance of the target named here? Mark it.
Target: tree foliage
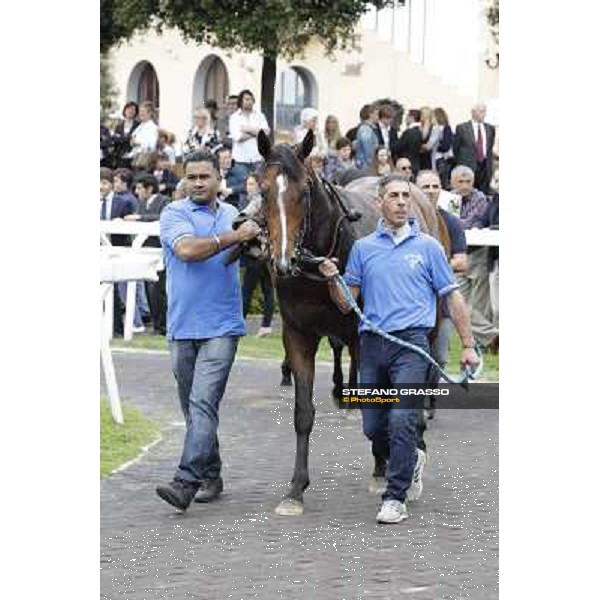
(273, 27)
(108, 91)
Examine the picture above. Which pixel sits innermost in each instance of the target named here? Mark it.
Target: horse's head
(285, 199)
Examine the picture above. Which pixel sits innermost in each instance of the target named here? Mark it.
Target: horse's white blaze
(281, 187)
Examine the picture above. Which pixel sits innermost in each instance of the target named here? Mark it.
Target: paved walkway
(238, 548)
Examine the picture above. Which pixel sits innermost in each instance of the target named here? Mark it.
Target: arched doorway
(296, 89)
(143, 85)
(211, 82)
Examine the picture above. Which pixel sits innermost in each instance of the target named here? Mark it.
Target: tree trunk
(267, 90)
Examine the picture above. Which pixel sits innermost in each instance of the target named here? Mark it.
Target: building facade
(425, 53)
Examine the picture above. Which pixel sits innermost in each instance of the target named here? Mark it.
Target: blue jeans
(201, 368)
(393, 431)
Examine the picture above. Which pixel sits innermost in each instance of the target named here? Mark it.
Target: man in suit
(387, 134)
(473, 147)
(151, 206)
(113, 206)
(167, 180)
(411, 140)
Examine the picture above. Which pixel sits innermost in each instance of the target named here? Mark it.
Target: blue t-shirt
(204, 297)
(399, 282)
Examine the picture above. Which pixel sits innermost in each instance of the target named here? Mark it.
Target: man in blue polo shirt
(398, 271)
(204, 321)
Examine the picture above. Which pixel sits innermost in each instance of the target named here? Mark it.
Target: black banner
(417, 395)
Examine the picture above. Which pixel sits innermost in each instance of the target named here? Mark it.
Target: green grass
(120, 443)
(272, 347)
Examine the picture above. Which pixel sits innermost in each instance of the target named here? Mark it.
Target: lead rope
(466, 373)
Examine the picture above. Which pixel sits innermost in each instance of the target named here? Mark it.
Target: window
(296, 89)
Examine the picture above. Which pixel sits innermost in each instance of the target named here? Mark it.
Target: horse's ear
(306, 147)
(264, 144)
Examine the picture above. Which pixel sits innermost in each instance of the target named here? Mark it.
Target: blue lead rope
(466, 373)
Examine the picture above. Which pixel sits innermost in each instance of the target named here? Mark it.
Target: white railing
(120, 264)
(140, 233)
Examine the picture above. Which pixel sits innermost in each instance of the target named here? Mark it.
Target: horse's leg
(301, 350)
(338, 375)
(286, 371)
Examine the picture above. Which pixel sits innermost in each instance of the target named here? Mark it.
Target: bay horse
(307, 216)
(304, 213)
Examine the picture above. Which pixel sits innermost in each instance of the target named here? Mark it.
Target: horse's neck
(324, 214)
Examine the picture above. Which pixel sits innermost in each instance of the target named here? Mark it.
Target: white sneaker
(264, 331)
(416, 487)
(392, 511)
(139, 329)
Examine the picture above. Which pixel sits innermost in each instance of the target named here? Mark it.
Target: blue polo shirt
(204, 297)
(399, 283)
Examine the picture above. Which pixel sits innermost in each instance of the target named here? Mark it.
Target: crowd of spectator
(456, 168)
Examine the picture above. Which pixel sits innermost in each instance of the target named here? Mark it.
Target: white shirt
(246, 151)
(400, 234)
(475, 126)
(385, 133)
(109, 199)
(147, 136)
(450, 202)
(150, 201)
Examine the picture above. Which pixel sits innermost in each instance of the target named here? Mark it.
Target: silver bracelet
(218, 240)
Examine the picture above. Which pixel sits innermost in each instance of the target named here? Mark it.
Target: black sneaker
(209, 490)
(177, 493)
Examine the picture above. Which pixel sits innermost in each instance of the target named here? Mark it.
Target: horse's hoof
(286, 381)
(290, 508)
(378, 485)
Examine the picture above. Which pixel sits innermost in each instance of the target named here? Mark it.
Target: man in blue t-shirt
(204, 320)
(398, 271)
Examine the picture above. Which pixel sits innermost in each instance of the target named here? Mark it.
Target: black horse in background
(305, 216)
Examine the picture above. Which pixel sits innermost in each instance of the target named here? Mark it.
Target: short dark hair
(342, 143)
(106, 174)
(241, 95)
(415, 113)
(125, 175)
(224, 148)
(131, 103)
(202, 156)
(386, 111)
(148, 181)
(365, 111)
(232, 97)
(387, 179)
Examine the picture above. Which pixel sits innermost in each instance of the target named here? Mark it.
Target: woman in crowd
(428, 140)
(166, 145)
(256, 271)
(441, 152)
(308, 120)
(382, 163)
(202, 135)
(339, 162)
(332, 134)
(123, 132)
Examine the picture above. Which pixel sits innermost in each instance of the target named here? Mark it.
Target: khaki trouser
(495, 293)
(475, 288)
